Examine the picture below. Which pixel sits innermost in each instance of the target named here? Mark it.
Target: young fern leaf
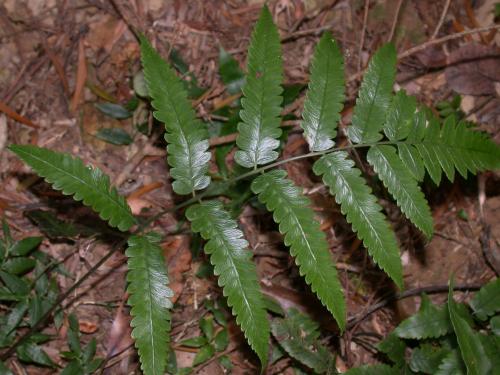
(454, 146)
(236, 272)
(185, 135)
(302, 234)
(261, 102)
(469, 150)
(86, 184)
(150, 301)
(362, 210)
(325, 96)
(374, 97)
(402, 186)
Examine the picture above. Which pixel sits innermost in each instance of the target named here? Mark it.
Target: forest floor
(60, 58)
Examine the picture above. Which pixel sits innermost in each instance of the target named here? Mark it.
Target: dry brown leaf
(81, 76)
(474, 69)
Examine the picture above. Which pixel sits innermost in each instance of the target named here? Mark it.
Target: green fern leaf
(400, 116)
(185, 135)
(486, 302)
(454, 146)
(471, 347)
(236, 272)
(150, 301)
(402, 186)
(302, 234)
(362, 211)
(374, 97)
(86, 184)
(298, 335)
(261, 102)
(429, 322)
(325, 96)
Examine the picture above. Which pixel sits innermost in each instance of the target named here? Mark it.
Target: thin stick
(430, 43)
(444, 39)
(395, 21)
(441, 19)
(434, 289)
(363, 31)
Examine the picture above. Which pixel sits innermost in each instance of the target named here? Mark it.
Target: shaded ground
(58, 58)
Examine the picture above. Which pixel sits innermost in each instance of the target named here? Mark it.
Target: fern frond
(185, 135)
(302, 234)
(400, 116)
(86, 184)
(454, 146)
(150, 301)
(374, 97)
(362, 210)
(402, 186)
(261, 102)
(236, 272)
(325, 95)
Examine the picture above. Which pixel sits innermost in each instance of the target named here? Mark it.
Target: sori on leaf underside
(403, 141)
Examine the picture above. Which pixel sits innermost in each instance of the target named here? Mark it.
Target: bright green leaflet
(325, 96)
(303, 235)
(374, 97)
(402, 186)
(186, 136)
(454, 146)
(362, 210)
(86, 184)
(150, 301)
(261, 103)
(236, 272)
(473, 353)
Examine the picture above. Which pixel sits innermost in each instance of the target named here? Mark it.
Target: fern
(402, 185)
(362, 211)
(149, 298)
(185, 135)
(260, 126)
(325, 95)
(374, 97)
(454, 146)
(86, 184)
(236, 272)
(302, 234)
